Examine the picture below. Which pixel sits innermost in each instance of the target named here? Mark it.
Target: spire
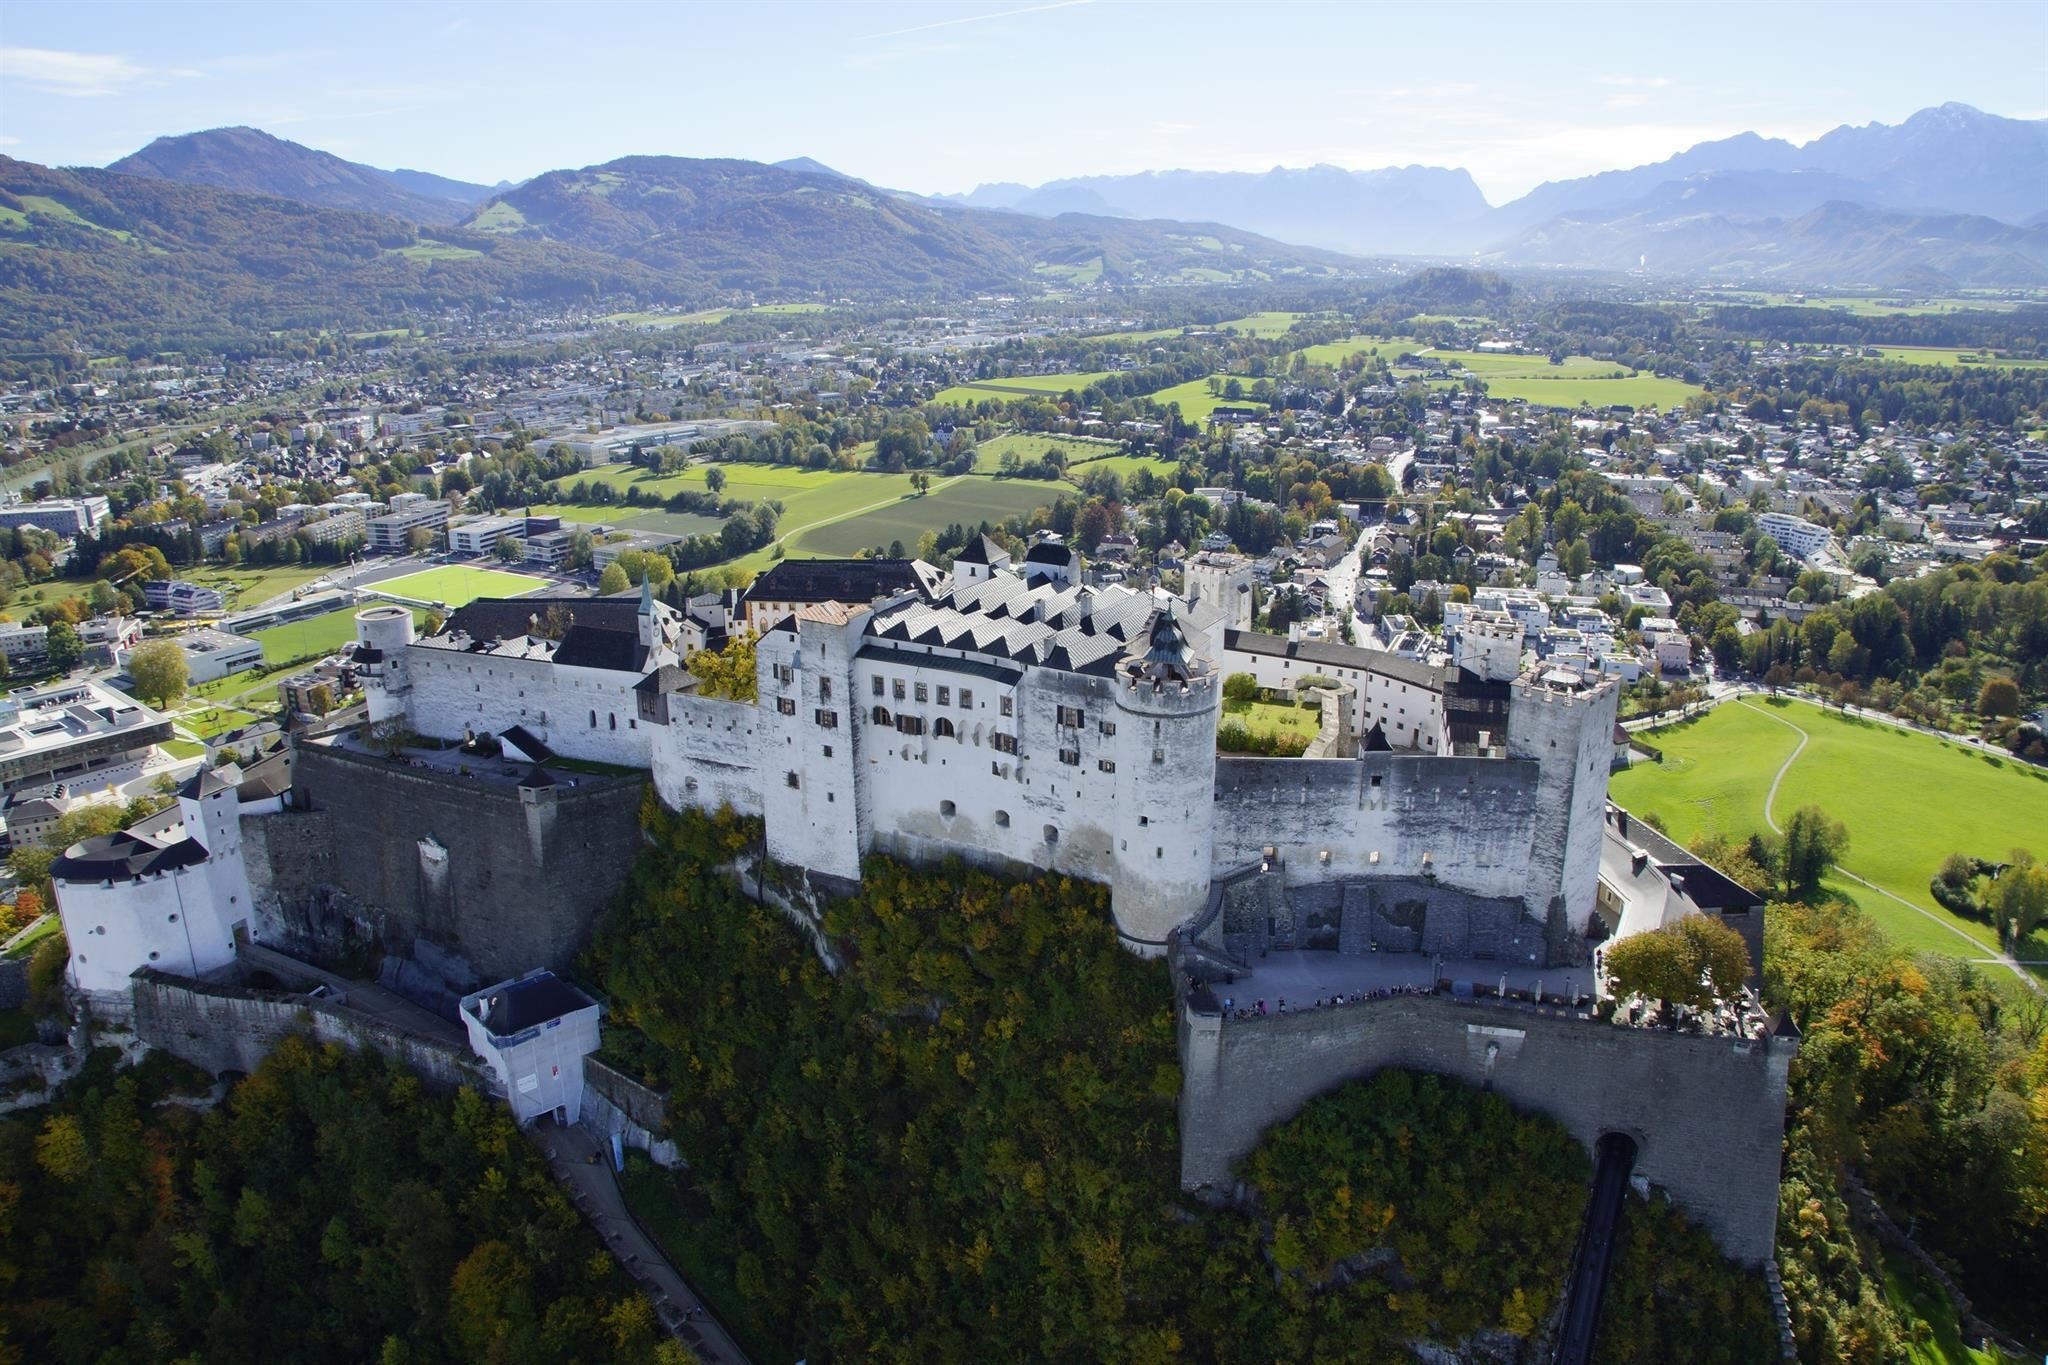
(1166, 653)
(647, 596)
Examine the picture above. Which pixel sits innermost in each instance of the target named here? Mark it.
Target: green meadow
(457, 585)
(1031, 447)
(1579, 380)
(1908, 800)
(1196, 402)
(312, 638)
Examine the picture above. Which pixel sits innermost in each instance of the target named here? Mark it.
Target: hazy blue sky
(944, 94)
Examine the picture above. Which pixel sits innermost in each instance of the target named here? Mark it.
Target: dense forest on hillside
(330, 1209)
(964, 1144)
(1928, 1080)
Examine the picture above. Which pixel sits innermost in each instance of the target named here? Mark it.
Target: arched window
(1052, 834)
(593, 720)
(615, 720)
(1002, 819)
(881, 715)
(948, 809)
(943, 728)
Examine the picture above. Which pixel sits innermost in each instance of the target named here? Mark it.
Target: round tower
(1167, 697)
(383, 633)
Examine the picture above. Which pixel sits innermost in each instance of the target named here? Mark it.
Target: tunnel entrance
(1614, 1161)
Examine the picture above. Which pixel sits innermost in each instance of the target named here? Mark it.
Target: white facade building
(167, 893)
(1795, 535)
(534, 1032)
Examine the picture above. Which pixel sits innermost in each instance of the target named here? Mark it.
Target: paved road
(581, 1163)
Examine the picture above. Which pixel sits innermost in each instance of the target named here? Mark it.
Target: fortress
(1450, 833)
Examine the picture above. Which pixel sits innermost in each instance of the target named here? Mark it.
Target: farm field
(457, 585)
(1937, 355)
(1030, 447)
(314, 637)
(1196, 402)
(969, 499)
(1908, 800)
(1335, 352)
(1124, 465)
(1015, 388)
(1580, 379)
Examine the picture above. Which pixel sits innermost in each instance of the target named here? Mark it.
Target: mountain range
(1744, 205)
(236, 232)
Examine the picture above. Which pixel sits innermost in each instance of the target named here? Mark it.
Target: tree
(1241, 687)
(1812, 843)
(1699, 961)
(159, 670)
(727, 673)
(613, 579)
(419, 540)
(507, 549)
(65, 648)
(714, 479)
(2019, 897)
(1998, 697)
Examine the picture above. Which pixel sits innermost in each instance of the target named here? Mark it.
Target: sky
(941, 95)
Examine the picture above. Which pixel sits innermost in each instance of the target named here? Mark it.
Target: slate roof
(840, 580)
(603, 633)
(982, 550)
(124, 854)
(529, 1001)
(1077, 629)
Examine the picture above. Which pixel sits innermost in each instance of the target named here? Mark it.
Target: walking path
(1770, 798)
(582, 1164)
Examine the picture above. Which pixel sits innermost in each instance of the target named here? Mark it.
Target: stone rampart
(482, 880)
(230, 1028)
(1707, 1113)
(614, 1102)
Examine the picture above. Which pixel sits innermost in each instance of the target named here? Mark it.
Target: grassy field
(1274, 718)
(1334, 352)
(210, 722)
(1018, 387)
(701, 316)
(1909, 800)
(1125, 465)
(1030, 447)
(318, 635)
(1918, 1299)
(969, 500)
(1196, 402)
(245, 588)
(1937, 355)
(456, 585)
(1580, 379)
(437, 251)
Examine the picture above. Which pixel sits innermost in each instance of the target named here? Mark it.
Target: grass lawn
(49, 924)
(1335, 352)
(437, 251)
(457, 585)
(247, 587)
(182, 748)
(969, 500)
(1196, 402)
(703, 316)
(1030, 447)
(1018, 387)
(210, 722)
(1273, 717)
(1908, 799)
(1918, 1299)
(1936, 355)
(1125, 465)
(312, 638)
(1580, 379)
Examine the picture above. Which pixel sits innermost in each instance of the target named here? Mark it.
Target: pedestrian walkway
(583, 1164)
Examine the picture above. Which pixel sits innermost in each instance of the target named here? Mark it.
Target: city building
(73, 731)
(180, 598)
(392, 532)
(61, 516)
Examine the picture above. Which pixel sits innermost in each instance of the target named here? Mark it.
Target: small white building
(168, 892)
(534, 1032)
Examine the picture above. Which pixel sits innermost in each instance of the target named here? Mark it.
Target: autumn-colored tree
(1998, 697)
(1698, 961)
(727, 672)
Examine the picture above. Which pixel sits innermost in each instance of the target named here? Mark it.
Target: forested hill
(107, 261)
(746, 225)
(254, 162)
